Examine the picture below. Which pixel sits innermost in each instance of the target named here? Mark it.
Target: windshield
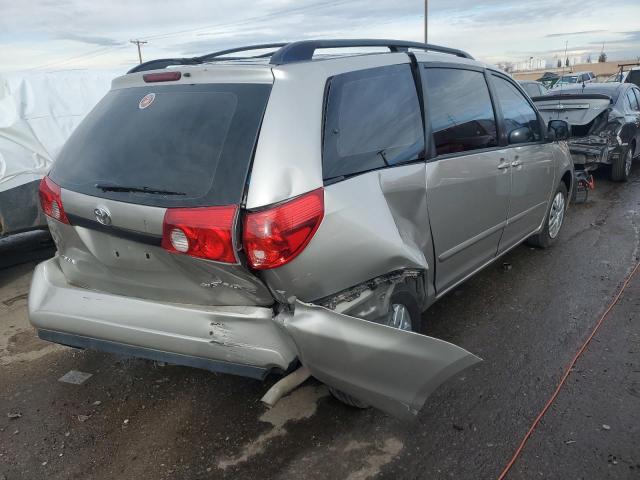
(193, 140)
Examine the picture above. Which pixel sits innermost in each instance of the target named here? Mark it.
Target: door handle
(503, 165)
(517, 163)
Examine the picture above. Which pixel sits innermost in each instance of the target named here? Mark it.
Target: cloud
(570, 34)
(90, 39)
(97, 32)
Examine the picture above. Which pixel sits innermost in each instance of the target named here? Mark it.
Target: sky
(52, 35)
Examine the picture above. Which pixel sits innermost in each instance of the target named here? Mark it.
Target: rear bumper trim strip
(78, 341)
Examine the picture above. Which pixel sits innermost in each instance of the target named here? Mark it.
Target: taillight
(275, 236)
(51, 200)
(205, 232)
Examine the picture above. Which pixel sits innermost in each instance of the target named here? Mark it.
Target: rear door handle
(504, 165)
(517, 163)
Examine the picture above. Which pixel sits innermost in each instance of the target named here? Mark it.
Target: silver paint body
(429, 225)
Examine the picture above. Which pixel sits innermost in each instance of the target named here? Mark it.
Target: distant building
(534, 63)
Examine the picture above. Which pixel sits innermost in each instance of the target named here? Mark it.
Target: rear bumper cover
(238, 340)
(391, 369)
(592, 153)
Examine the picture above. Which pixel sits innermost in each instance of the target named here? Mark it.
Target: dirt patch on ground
(25, 341)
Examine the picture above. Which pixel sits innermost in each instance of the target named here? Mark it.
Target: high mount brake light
(204, 232)
(51, 200)
(275, 236)
(162, 77)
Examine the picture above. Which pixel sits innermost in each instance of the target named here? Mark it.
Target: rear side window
(633, 101)
(372, 120)
(460, 110)
(517, 112)
(194, 140)
(633, 77)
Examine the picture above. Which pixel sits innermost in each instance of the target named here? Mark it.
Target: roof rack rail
(304, 50)
(166, 62)
(297, 52)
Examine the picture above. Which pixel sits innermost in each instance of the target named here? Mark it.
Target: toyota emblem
(102, 215)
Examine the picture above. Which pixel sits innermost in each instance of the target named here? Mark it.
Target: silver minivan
(295, 211)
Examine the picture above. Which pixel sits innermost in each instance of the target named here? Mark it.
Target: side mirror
(559, 129)
(520, 135)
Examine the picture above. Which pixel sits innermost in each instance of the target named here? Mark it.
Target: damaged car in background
(38, 112)
(605, 124)
(267, 209)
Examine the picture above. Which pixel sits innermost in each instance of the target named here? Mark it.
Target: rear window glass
(372, 120)
(194, 140)
(460, 110)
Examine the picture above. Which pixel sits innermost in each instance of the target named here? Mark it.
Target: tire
(550, 232)
(621, 167)
(347, 399)
(403, 295)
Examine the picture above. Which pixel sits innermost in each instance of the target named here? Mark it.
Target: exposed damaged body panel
(370, 300)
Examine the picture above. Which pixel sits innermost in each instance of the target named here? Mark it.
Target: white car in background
(626, 76)
(575, 78)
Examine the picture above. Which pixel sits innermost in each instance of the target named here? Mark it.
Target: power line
(137, 43)
(89, 54)
(104, 50)
(426, 21)
(245, 21)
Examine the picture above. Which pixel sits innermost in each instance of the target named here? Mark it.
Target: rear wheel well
(567, 179)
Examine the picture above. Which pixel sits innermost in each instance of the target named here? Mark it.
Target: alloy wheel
(399, 317)
(556, 215)
(627, 163)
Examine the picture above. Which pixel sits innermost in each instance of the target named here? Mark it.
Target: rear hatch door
(143, 150)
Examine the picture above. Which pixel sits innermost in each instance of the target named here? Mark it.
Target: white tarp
(38, 112)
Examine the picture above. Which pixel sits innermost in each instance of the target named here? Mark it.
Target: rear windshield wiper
(107, 187)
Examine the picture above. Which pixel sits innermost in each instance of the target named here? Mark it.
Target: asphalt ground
(526, 316)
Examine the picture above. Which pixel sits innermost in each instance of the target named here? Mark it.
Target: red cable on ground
(567, 371)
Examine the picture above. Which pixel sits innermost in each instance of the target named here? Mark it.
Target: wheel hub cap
(627, 163)
(556, 215)
(399, 317)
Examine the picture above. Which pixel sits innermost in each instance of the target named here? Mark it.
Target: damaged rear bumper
(391, 369)
(238, 340)
(585, 153)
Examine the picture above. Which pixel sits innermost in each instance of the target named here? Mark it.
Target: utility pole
(138, 43)
(426, 21)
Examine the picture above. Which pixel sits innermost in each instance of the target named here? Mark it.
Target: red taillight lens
(277, 235)
(205, 232)
(162, 77)
(51, 200)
